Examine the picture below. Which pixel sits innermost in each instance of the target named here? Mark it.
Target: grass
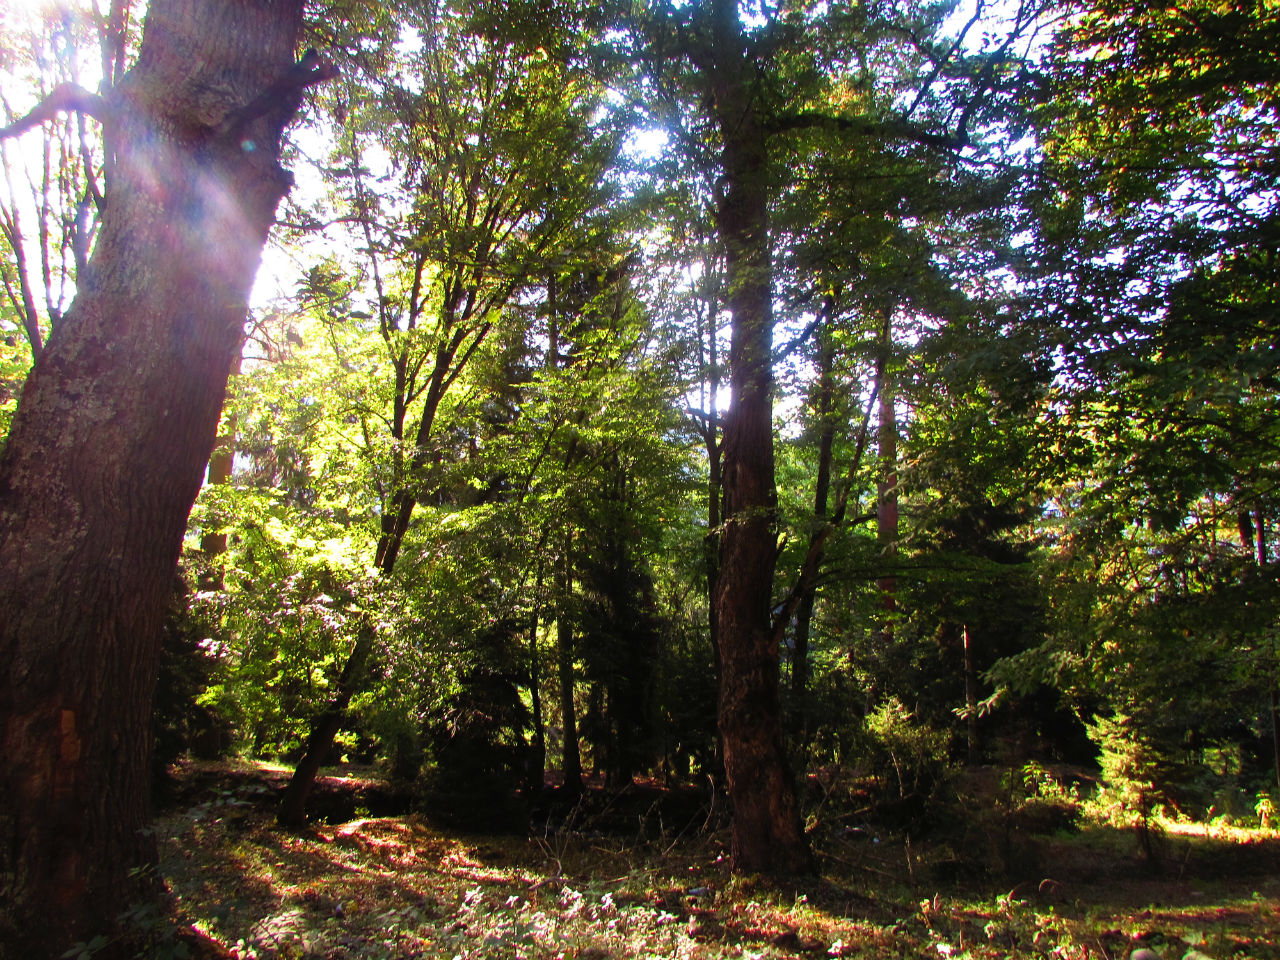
(399, 887)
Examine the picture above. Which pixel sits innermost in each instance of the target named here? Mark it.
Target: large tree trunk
(767, 833)
(108, 448)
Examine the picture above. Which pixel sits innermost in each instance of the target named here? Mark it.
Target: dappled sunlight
(401, 887)
(671, 445)
(1221, 830)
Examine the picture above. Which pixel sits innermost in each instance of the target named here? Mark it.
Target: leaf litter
(400, 887)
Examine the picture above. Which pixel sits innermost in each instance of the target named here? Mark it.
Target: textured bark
(767, 833)
(107, 451)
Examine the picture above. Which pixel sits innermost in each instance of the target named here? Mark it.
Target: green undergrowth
(399, 887)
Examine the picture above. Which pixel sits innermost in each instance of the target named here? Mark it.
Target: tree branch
(862, 127)
(283, 95)
(63, 97)
(818, 539)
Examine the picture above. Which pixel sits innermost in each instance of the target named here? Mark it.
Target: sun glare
(20, 13)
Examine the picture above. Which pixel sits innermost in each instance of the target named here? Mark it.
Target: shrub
(909, 758)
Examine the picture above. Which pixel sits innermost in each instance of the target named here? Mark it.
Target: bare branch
(978, 11)
(63, 98)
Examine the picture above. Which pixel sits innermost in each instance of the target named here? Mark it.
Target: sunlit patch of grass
(1220, 830)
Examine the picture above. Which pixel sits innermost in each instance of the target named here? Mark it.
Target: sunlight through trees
(837, 412)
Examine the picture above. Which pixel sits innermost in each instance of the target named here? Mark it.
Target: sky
(282, 263)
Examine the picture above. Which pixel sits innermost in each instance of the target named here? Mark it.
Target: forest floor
(645, 874)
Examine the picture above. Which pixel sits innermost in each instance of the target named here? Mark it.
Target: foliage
(185, 719)
(1130, 770)
(480, 745)
(909, 759)
(1023, 325)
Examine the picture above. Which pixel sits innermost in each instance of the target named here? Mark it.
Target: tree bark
(213, 543)
(887, 492)
(571, 765)
(821, 492)
(108, 448)
(767, 832)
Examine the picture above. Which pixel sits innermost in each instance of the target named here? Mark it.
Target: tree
(500, 158)
(1155, 280)
(767, 834)
(736, 83)
(49, 222)
(110, 441)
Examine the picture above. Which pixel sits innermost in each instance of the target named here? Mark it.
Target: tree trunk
(214, 543)
(1253, 539)
(970, 696)
(1260, 531)
(538, 755)
(108, 449)
(711, 439)
(821, 491)
(394, 527)
(571, 765)
(711, 544)
(887, 492)
(292, 812)
(767, 833)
